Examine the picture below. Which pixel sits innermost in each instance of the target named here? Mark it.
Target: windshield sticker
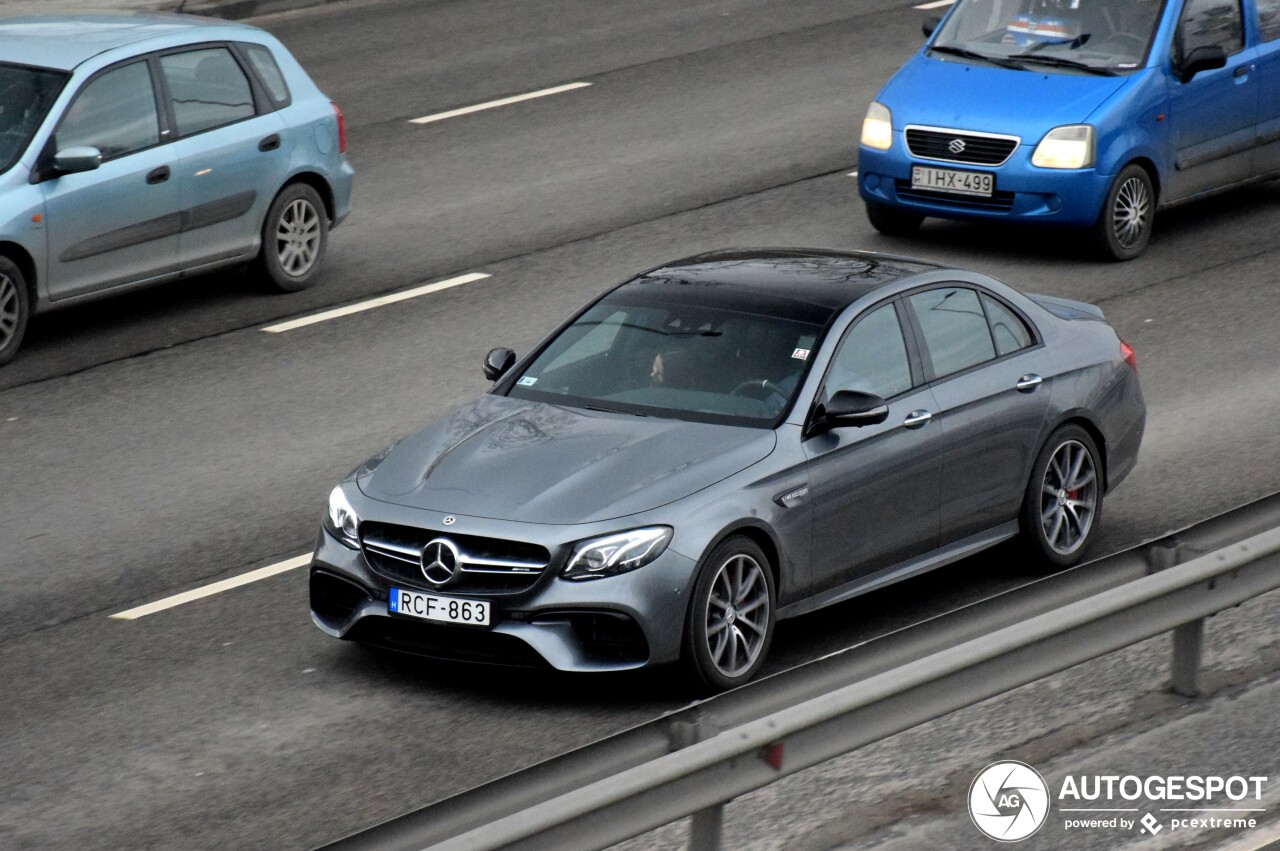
(800, 354)
(527, 381)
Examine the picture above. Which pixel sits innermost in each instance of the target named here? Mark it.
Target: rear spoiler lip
(1064, 307)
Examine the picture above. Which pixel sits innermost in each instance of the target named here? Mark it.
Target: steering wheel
(761, 389)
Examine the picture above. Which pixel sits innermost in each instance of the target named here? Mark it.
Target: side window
(1007, 328)
(264, 65)
(1268, 19)
(1209, 22)
(955, 328)
(873, 357)
(207, 88)
(115, 113)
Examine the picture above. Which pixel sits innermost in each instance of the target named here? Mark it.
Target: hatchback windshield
(1085, 36)
(25, 96)
(696, 362)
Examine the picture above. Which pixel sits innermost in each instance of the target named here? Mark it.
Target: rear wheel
(15, 308)
(1063, 503)
(1124, 226)
(891, 220)
(731, 616)
(295, 235)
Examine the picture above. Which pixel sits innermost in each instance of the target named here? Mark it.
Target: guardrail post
(1188, 641)
(706, 827)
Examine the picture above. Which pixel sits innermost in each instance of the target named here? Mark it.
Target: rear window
(955, 329)
(207, 88)
(264, 65)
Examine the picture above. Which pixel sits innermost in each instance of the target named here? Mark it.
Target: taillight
(1126, 352)
(342, 128)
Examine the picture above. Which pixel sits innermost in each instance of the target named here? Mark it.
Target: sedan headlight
(1065, 147)
(877, 127)
(618, 553)
(341, 520)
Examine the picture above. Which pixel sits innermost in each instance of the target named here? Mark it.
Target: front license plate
(950, 180)
(432, 608)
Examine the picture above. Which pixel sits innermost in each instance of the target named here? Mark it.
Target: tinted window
(264, 64)
(1209, 22)
(873, 357)
(25, 97)
(955, 328)
(207, 88)
(1007, 328)
(115, 113)
(1268, 19)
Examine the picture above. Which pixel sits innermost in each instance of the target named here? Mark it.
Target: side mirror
(930, 24)
(76, 159)
(850, 408)
(1206, 57)
(497, 362)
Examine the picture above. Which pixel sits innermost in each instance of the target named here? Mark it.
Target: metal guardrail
(695, 760)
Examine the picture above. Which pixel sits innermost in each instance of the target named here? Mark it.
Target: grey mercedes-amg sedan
(725, 441)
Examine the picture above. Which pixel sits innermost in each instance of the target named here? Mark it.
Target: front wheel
(731, 615)
(15, 308)
(891, 221)
(1124, 226)
(1063, 503)
(295, 235)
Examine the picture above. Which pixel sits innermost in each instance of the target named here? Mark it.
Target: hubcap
(298, 238)
(8, 309)
(1131, 212)
(1069, 497)
(737, 615)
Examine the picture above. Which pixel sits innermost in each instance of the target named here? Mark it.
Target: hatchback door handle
(917, 419)
(270, 143)
(1029, 382)
(1241, 70)
(158, 175)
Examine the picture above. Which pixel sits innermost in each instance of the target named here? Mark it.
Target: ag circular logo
(1008, 801)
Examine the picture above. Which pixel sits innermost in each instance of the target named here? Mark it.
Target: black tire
(891, 221)
(1127, 218)
(1079, 507)
(295, 235)
(712, 671)
(15, 309)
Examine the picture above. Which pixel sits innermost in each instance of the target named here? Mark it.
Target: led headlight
(341, 520)
(1065, 147)
(877, 127)
(618, 553)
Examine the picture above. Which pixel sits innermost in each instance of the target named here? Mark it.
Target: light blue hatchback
(139, 149)
(1085, 113)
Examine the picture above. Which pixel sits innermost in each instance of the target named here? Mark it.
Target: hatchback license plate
(950, 180)
(432, 608)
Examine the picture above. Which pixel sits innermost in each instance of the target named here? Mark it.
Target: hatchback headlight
(1065, 147)
(341, 520)
(877, 127)
(618, 553)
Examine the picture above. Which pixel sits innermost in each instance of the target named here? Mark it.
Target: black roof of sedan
(809, 285)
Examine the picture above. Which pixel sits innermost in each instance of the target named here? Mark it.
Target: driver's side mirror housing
(850, 408)
(1206, 57)
(76, 159)
(497, 362)
(929, 25)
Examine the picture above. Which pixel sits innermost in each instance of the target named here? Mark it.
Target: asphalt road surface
(161, 441)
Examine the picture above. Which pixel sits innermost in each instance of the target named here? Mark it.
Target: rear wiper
(1064, 63)
(973, 54)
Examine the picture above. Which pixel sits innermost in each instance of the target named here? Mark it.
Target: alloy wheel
(1132, 211)
(1068, 497)
(737, 615)
(298, 237)
(9, 309)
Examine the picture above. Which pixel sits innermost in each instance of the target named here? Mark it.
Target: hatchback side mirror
(76, 159)
(1206, 57)
(930, 24)
(497, 362)
(850, 408)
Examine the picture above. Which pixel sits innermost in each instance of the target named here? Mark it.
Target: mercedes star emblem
(449, 519)
(440, 562)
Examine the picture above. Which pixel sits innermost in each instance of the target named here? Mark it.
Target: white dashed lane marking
(374, 302)
(493, 104)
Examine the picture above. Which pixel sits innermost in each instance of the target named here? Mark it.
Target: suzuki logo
(956, 146)
(440, 562)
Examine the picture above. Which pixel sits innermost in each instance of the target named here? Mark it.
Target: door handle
(917, 419)
(1241, 70)
(270, 143)
(1028, 383)
(158, 175)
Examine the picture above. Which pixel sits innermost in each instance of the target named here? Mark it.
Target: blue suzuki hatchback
(1085, 113)
(139, 149)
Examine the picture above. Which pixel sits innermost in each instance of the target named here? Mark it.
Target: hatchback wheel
(1128, 215)
(294, 238)
(731, 616)
(14, 309)
(891, 221)
(1063, 502)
